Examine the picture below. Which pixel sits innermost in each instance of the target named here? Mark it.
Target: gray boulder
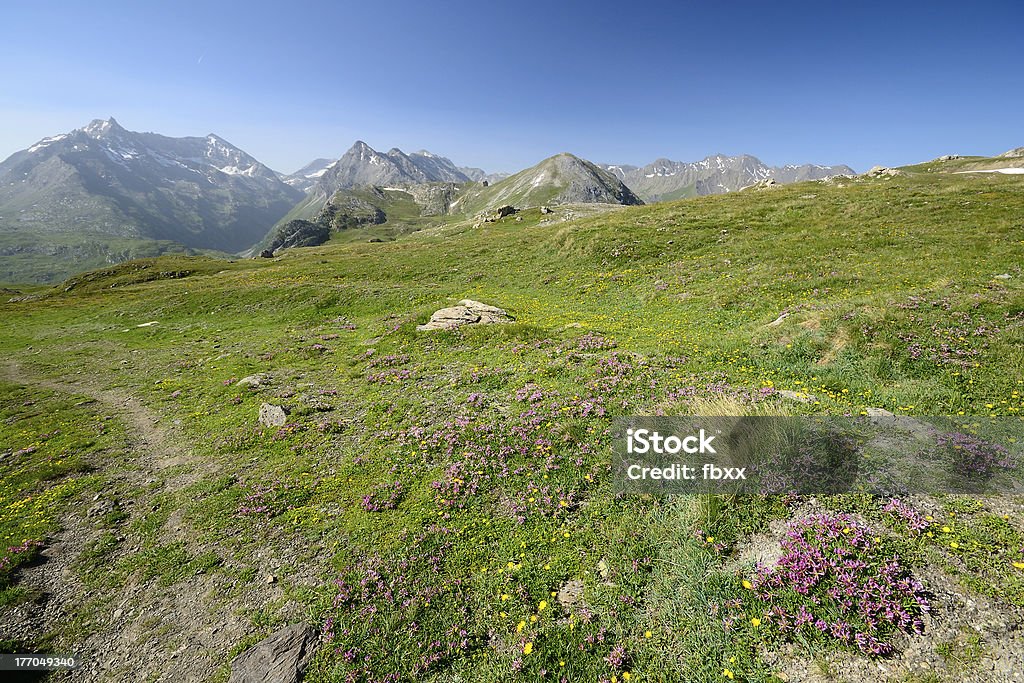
(282, 657)
(466, 312)
(500, 212)
(273, 416)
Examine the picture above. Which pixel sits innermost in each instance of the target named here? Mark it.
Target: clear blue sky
(501, 85)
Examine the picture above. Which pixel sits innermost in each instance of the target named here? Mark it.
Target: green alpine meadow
(199, 453)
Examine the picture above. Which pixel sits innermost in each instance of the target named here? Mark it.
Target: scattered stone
(949, 157)
(766, 184)
(1003, 276)
(602, 569)
(883, 172)
(273, 416)
(467, 312)
(778, 321)
(316, 404)
(282, 657)
(103, 508)
(546, 210)
(270, 578)
(375, 240)
(267, 253)
(149, 324)
(500, 212)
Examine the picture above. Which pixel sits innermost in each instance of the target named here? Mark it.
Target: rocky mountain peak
(99, 128)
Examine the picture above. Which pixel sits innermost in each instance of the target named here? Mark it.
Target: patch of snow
(46, 142)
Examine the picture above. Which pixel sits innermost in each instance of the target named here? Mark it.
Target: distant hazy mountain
(363, 166)
(664, 180)
(479, 175)
(306, 177)
(105, 181)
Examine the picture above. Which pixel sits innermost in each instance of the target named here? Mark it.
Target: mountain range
(102, 194)
(665, 180)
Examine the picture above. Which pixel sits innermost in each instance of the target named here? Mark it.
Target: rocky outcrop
(883, 172)
(283, 657)
(434, 199)
(466, 312)
(766, 184)
(1016, 153)
(346, 210)
(297, 233)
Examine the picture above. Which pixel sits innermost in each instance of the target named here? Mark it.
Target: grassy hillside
(27, 257)
(439, 504)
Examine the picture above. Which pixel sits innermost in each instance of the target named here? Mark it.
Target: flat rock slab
(282, 657)
(466, 312)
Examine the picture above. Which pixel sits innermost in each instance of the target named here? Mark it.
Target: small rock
(267, 253)
(1003, 276)
(778, 321)
(545, 210)
(270, 578)
(273, 416)
(281, 658)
